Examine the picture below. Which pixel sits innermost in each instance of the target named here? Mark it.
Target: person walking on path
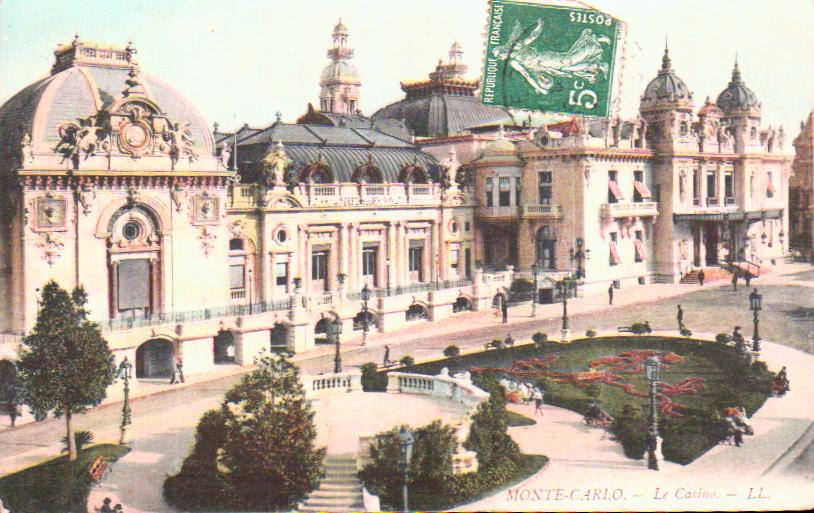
(747, 278)
(538, 401)
(178, 374)
(735, 281)
(610, 294)
(504, 309)
(680, 317)
(701, 277)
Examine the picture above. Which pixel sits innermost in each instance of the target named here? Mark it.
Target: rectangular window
(134, 286)
(696, 193)
(517, 190)
(544, 187)
(490, 198)
(711, 189)
(640, 190)
(770, 190)
(638, 243)
(505, 191)
(319, 265)
(614, 192)
(729, 188)
(614, 250)
(453, 259)
(237, 277)
(369, 264)
(281, 274)
(416, 257)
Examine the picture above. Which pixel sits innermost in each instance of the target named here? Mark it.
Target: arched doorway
(546, 248)
(279, 337)
(155, 359)
(461, 304)
(321, 331)
(8, 386)
(224, 347)
(416, 313)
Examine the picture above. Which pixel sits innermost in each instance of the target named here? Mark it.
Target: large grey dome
(667, 90)
(737, 97)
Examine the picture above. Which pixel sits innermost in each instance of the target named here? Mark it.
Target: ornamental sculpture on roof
(275, 165)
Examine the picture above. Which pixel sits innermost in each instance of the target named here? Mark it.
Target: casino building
(801, 192)
(212, 246)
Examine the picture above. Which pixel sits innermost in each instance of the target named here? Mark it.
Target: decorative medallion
(50, 212)
(205, 209)
(207, 239)
(135, 138)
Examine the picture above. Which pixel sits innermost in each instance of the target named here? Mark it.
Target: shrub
(372, 379)
(723, 338)
(487, 435)
(593, 391)
(407, 361)
(452, 351)
(696, 431)
(630, 429)
(81, 437)
(591, 333)
(685, 332)
(641, 328)
(539, 339)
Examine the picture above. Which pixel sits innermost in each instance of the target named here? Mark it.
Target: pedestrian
(736, 335)
(118, 509)
(13, 412)
(701, 277)
(735, 281)
(610, 294)
(179, 366)
(509, 341)
(680, 318)
(106, 506)
(386, 361)
(747, 278)
(538, 401)
(504, 309)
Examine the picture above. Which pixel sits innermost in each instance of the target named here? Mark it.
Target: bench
(624, 329)
(98, 468)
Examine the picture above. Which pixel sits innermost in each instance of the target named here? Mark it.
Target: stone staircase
(710, 274)
(340, 490)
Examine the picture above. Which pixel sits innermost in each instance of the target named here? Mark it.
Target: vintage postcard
(366, 255)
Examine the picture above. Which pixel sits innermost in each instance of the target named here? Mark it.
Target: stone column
(264, 248)
(390, 256)
(353, 253)
(434, 260)
(114, 289)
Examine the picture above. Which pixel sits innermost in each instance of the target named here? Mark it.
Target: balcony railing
(643, 209)
(238, 293)
(412, 288)
(345, 194)
(712, 202)
(195, 315)
(729, 201)
(542, 211)
(498, 212)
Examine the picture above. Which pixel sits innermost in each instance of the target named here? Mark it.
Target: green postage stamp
(552, 58)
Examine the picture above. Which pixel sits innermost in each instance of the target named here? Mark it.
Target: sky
(244, 60)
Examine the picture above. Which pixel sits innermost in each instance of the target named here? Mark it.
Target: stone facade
(801, 192)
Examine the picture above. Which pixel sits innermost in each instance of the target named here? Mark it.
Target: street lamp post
(335, 327)
(564, 285)
(125, 372)
(651, 372)
(406, 442)
(365, 323)
(581, 255)
(755, 304)
(535, 269)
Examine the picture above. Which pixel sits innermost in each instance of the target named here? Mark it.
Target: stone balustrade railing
(324, 384)
(343, 195)
(459, 389)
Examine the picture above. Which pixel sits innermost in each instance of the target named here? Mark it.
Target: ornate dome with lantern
(96, 111)
(667, 90)
(737, 97)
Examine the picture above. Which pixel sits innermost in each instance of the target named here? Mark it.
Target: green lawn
(726, 383)
(515, 419)
(56, 486)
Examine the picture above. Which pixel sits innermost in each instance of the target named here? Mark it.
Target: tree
(452, 351)
(269, 450)
(488, 436)
(65, 366)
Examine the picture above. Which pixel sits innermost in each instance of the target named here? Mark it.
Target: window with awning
(770, 190)
(642, 189)
(615, 191)
(641, 252)
(614, 253)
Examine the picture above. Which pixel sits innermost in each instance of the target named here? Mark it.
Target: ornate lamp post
(651, 373)
(755, 304)
(365, 314)
(535, 269)
(125, 372)
(335, 328)
(406, 442)
(564, 285)
(581, 255)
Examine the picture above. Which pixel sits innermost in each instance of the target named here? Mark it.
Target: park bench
(98, 468)
(493, 344)
(624, 329)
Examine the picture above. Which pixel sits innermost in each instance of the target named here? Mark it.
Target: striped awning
(641, 252)
(615, 190)
(642, 189)
(770, 187)
(614, 253)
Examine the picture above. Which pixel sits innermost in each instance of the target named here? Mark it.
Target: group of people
(107, 509)
(747, 277)
(528, 393)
